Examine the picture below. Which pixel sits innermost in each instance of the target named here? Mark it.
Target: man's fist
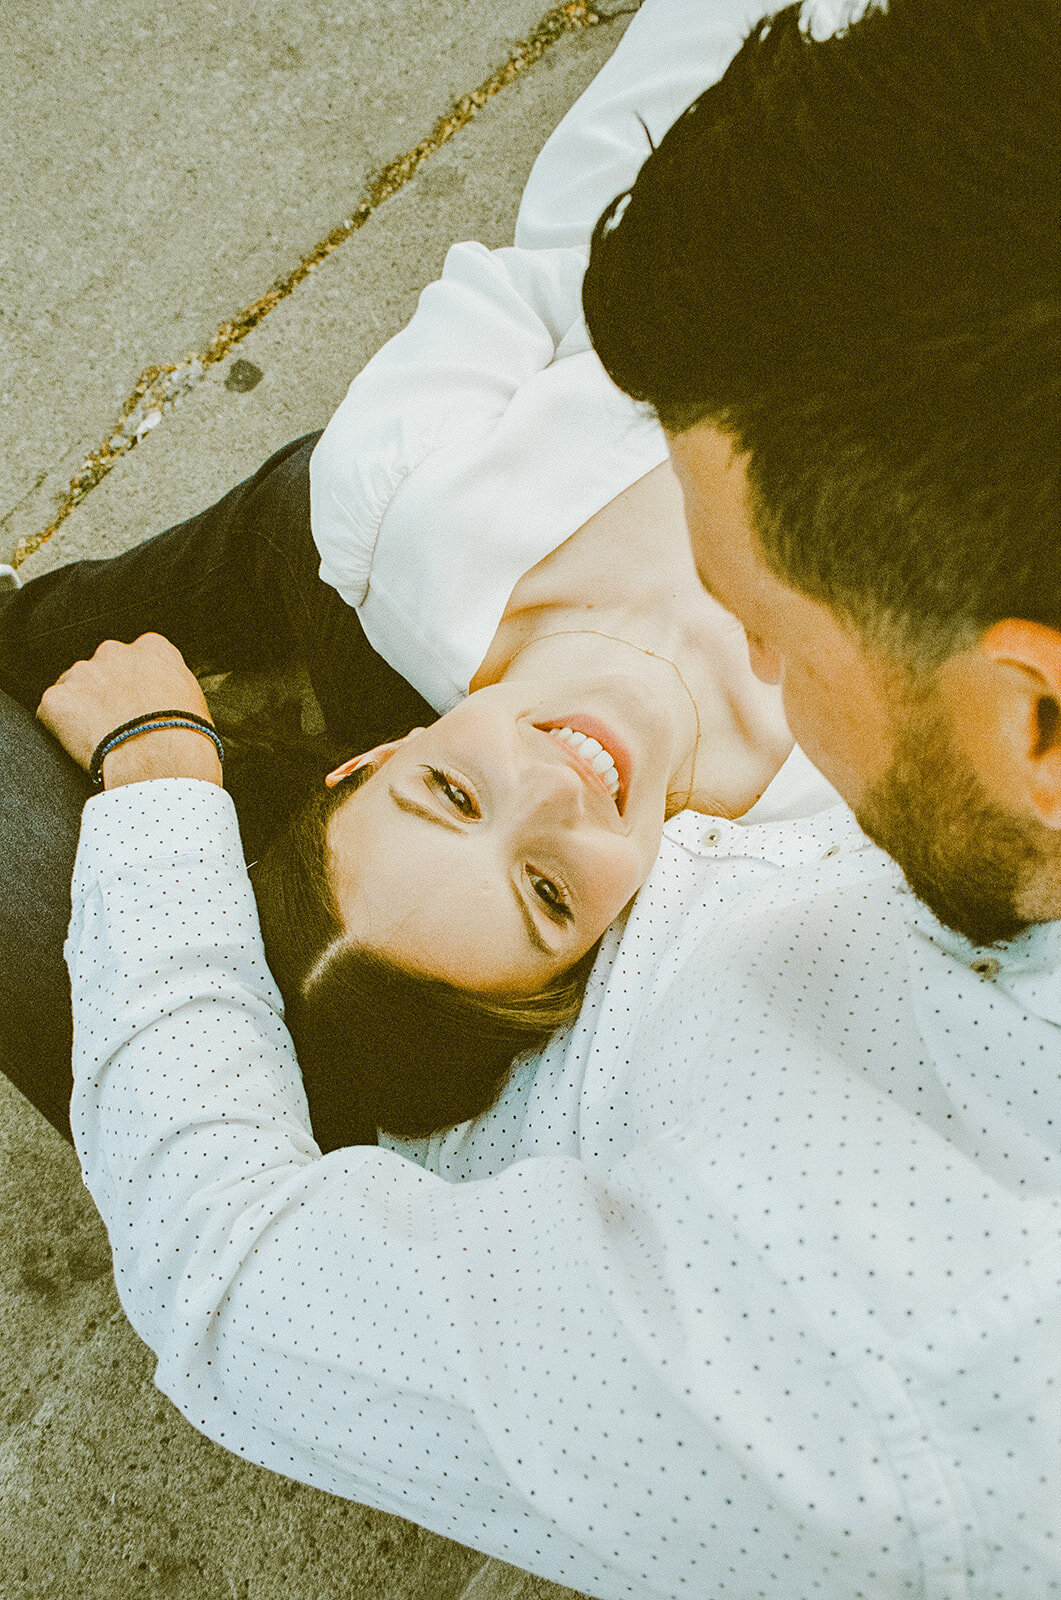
(123, 681)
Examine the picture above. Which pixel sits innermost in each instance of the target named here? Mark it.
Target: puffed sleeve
(474, 443)
(487, 432)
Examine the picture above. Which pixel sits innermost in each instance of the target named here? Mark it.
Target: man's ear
(378, 756)
(1029, 654)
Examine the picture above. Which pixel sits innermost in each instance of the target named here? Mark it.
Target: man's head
(838, 283)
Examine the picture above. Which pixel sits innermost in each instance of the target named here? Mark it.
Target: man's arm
(531, 1364)
(527, 1364)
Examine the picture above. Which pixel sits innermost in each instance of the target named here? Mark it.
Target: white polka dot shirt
(748, 1287)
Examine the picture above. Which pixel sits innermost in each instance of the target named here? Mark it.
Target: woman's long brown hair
(379, 1047)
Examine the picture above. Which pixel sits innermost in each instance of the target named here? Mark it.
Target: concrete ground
(215, 211)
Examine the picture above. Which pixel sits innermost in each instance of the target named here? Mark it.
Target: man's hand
(123, 681)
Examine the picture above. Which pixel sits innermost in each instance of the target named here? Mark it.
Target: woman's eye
(552, 896)
(459, 798)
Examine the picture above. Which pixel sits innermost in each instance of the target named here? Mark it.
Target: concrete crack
(160, 388)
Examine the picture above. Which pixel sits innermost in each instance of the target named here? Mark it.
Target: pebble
(243, 375)
(152, 420)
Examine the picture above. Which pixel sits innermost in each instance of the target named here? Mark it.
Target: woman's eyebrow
(533, 933)
(416, 810)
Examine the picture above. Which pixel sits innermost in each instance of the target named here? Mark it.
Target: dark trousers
(234, 588)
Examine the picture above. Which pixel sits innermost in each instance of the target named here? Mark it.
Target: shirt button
(711, 836)
(985, 966)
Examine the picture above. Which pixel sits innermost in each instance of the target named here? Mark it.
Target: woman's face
(485, 851)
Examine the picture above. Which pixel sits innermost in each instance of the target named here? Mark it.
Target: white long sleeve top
(487, 432)
(749, 1286)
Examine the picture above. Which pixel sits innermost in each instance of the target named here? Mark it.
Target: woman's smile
(596, 747)
(495, 847)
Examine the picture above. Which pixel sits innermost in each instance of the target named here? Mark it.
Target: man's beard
(965, 857)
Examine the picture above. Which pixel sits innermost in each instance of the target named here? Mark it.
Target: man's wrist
(162, 753)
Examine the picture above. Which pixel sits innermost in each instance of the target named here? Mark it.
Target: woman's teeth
(594, 754)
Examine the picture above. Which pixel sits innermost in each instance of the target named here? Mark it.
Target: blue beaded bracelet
(148, 724)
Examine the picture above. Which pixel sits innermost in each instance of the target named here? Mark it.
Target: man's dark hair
(847, 256)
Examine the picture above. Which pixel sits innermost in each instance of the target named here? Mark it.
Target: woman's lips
(594, 728)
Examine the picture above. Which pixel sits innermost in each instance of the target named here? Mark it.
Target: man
(750, 1285)
(886, 427)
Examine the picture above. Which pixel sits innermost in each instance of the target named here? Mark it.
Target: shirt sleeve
(670, 53)
(473, 443)
(527, 1364)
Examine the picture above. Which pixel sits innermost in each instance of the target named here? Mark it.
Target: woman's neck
(624, 588)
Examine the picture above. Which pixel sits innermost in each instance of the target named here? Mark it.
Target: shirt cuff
(161, 822)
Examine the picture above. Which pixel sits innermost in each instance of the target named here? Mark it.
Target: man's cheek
(815, 726)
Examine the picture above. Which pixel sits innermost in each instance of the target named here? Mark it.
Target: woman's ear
(378, 756)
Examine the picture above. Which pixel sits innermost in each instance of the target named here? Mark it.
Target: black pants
(235, 587)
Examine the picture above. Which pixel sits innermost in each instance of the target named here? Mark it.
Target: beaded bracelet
(148, 724)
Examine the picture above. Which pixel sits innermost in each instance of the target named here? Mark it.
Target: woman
(483, 486)
(428, 926)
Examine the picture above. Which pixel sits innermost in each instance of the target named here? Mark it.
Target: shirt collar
(1028, 967)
